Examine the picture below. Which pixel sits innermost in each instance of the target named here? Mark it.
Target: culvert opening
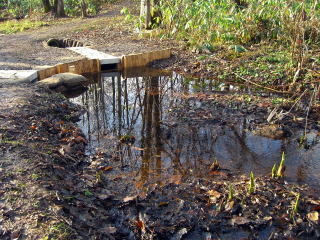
(107, 67)
(64, 43)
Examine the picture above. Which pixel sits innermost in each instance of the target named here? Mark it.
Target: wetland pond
(160, 124)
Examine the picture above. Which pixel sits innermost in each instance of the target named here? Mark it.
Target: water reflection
(147, 107)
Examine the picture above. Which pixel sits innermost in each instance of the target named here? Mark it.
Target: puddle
(153, 126)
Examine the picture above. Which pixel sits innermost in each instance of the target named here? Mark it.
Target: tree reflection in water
(146, 107)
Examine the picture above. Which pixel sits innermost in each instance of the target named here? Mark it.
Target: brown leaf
(80, 139)
(106, 168)
(140, 224)
(15, 235)
(316, 208)
(213, 195)
(218, 173)
(161, 204)
(176, 179)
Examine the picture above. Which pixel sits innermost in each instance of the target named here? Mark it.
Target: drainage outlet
(64, 43)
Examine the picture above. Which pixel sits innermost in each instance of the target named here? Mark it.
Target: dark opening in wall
(106, 67)
(64, 43)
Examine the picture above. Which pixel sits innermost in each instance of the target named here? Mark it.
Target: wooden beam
(77, 67)
(143, 59)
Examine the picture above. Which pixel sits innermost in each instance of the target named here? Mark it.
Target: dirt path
(105, 32)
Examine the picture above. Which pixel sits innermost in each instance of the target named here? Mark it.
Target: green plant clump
(213, 21)
(231, 192)
(251, 188)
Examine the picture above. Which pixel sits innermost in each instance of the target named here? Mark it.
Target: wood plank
(143, 59)
(77, 67)
(48, 72)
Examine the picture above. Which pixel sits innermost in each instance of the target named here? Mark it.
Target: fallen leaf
(161, 204)
(267, 218)
(106, 168)
(80, 139)
(138, 148)
(313, 216)
(129, 198)
(218, 173)
(15, 235)
(109, 230)
(237, 220)
(316, 208)
(140, 224)
(213, 195)
(229, 205)
(176, 179)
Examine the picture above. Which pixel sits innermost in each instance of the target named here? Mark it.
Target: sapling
(274, 171)
(281, 166)
(252, 184)
(231, 192)
(296, 204)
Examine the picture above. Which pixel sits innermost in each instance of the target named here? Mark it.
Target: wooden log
(143, 59)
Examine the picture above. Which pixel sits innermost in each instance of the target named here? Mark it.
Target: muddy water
(148, 123)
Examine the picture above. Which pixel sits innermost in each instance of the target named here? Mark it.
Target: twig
(274, 111)
(308, 110)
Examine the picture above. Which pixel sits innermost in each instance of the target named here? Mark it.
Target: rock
(64, 81)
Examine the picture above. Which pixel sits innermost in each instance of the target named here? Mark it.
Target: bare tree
(145, 13)
(46, 6)
(84, 8)
(59, 8)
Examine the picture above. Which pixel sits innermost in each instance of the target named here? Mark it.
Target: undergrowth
(14, 26)
(200, 22)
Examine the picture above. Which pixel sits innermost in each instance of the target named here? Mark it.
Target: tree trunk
(145, 12)
(46, 6)
(84, 8)
(59, 8)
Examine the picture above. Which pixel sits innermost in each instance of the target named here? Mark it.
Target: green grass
(14, 26)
